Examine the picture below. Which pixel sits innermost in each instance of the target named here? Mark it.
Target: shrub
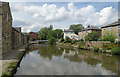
(72, 42)
(95, 49)
(51, 40)
(4, 74)
(62, 40)
(115, 50)
(67, 40)
(109, 37)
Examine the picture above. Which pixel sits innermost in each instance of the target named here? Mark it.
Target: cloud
(46, 14)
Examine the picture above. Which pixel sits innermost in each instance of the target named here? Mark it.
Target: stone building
(70, 33)
(88, 29)
(113, 28)
(5, 27)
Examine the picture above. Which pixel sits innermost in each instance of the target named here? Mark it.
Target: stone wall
(96, 43)
(6, 28)
(0, 28)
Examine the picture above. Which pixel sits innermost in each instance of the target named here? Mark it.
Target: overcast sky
(32, 16)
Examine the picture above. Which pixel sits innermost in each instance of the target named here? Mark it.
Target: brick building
(33, 35)
(88, 29)
(113, 28)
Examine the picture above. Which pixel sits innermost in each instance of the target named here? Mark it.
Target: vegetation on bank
(9, 69)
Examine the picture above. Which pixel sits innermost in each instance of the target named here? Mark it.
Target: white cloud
(61, 17)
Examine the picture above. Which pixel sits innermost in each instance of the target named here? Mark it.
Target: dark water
(52, 60)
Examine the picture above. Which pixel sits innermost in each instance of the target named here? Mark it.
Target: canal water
(53, 60)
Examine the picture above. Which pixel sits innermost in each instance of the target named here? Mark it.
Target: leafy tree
(109, 37)
(51, 33)
(58, 33)
(76, 27)
(42, 34)
(92, 37)
(51, 40)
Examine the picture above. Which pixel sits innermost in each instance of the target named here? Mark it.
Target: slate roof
(68, 30)
(116, 23)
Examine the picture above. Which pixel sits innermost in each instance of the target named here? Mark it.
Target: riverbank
(11, 60)
(106, 48)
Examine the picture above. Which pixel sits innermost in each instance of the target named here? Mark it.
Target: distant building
(113, 28)
(88, 29)
(70, 33)
(33, 35)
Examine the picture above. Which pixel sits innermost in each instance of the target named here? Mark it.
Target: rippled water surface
(53, 60)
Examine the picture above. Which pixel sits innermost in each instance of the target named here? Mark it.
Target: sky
(32, 16)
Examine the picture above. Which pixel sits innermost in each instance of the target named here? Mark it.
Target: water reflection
(53, 60)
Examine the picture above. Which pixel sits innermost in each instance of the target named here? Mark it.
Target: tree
(58, 33)
(76, 27)
(51, 40)
(42, 34)
(92, 37)
(109, 37)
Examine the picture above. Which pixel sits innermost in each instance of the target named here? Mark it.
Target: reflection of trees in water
(91, 58)
(107, 62)
(49, 51)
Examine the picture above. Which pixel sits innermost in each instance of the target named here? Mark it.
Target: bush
(95, 49)
(62, 40)
(72, 42)
(109, 37)
(51, 40)
(115, 50)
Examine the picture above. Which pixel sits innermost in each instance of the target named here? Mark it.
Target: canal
(53, 60)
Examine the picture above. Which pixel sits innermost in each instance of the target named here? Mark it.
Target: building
(10, 37)
(113, 28)
(5, 27)
(70, 33)
(33, 36)
(88, 29)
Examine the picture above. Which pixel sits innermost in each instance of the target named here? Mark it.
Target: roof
(68, 30)
(91, 28)
(17, 28)
(116, 23)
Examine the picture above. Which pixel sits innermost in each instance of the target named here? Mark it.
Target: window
(66, 32)
(110, 28)
(7, 17)
(86, 31)
(119, 27)
(118, 34)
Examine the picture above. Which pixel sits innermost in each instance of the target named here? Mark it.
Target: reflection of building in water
(70, 52)
(34, 47)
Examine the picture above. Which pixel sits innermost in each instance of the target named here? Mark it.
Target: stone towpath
(10, 57)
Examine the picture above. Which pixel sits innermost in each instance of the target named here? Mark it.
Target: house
(113, 28)
(70, 33)
(88, 29)
(33, 35)
(5, 27)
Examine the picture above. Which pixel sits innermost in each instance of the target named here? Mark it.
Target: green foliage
(52, 40)
(33, 39)
(109, 37)
(92, 37)
(95, 49)
(62, 40)
(58, 33)
(5, 75)
(107, 46)
(72, 42)
(115, 50)
(47, 32)
(76, 27)
(67, 40)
